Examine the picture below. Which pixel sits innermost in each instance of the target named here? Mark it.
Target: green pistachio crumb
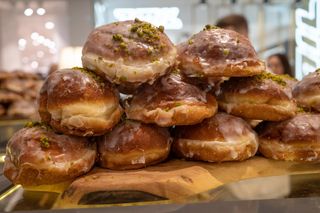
(123, 78)
(226, 52)
(177, 104)
(276, 78)
(117, 37)
(44, 142)
(31, 124)
(91, 74)
(190, 41)
(210, 27)
(300, 110)
(150, 50)
(161, 28)
(175, 70)
(123, 45)
(137, 20)
(167, 109)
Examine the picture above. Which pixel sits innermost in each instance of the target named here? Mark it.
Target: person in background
(234, 22)
(278, 64)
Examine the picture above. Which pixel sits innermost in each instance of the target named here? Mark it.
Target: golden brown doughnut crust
(77, 102)
(38, 156)
(129, 52)
(171, 101)
(218, 52)
(295, 139)
(262, 97)
(307, 91)
(133, 145)
(220, 138)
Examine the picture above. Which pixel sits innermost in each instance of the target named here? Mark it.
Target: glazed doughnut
(171, 101)
(220, 138)
(133, 145)
(22, 109)
(78, 102)
(129, 53)
(295, 139)
(307, 91)
(216, 52)
(35, 155)
(262, 97)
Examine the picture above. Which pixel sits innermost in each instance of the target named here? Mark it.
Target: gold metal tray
(254, 179)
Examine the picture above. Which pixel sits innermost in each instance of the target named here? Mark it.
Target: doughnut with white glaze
(307, 91)
(262, 97)
(78, 102)
(295, 139)
(133, 145)
(216, 52)
(220, 138)
(171, 101)
(129, 53)
(36, 155)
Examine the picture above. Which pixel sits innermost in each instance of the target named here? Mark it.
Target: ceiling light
(34, 64)
(28, 12)
(49, 25)
(22, 42)
(41, 11)
(34, 35)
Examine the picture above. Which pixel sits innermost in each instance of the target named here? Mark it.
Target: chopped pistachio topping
(161, 28)
(123, 78)
(145, 31)
(276, 78)
(226, 52)
(177, 104)
(123, 45)
(90, 74)
(31, 124)
(150, 50)
(175, 70)
(117, 37)
(167, 109)
(137, 20)
(300, 110)
(190, 41)
(210, 27)
(44, 142)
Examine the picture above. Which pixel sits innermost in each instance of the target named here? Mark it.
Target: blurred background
(37, 36)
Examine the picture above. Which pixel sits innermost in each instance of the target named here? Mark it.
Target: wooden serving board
(172, 180)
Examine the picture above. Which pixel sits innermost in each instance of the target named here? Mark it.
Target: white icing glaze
(140, 160)
(290, 149)
(136, 72)
(165, 117)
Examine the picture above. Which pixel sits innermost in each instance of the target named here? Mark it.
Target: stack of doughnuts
(296, 138)
(197, 97)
